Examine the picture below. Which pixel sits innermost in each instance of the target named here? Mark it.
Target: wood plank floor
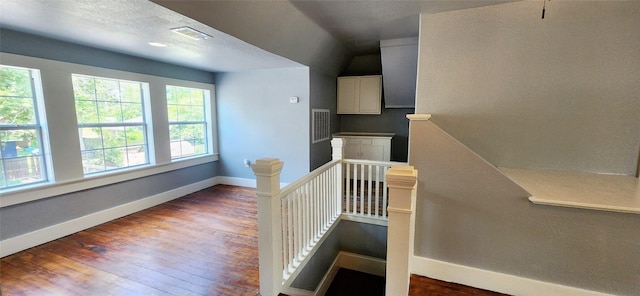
(205, 243)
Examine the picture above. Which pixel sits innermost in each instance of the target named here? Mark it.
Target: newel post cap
(402, 177)
(267, 166)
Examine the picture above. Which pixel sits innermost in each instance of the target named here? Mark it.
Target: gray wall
(50, 211)
(521, 91)
(256, 120)
(41, 47)
(556, 93)
(389, 121)
(322, 96)
(278, 27)
(468, 213)
(353, 237)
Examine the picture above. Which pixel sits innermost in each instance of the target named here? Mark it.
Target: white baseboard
(38, 237)
(490, 280)
(361, 263)
(242, 182)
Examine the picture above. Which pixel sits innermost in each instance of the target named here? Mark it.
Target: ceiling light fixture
(191, 33)
(157, 44)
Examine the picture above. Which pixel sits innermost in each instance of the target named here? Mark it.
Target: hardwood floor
(205, 243)
(353, 283)
(420, 285)
(202, 244)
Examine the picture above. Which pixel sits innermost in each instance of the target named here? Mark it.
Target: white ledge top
(617, 193)
(359, 134)
(412, 117)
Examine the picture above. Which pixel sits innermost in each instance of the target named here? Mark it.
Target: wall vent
(320, 126)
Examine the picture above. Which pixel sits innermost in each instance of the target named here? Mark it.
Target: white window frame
(65, 159)
(207, 111)
(144, 125)
(40, 128)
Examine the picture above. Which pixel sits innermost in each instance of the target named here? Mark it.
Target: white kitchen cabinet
(359, 94)
(368, 146)
(365, 146)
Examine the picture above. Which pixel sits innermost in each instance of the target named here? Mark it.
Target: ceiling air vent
(191, 33)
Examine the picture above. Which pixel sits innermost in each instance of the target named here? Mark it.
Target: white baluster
(361, 199)
(285, 250)
(377, 192)
(308, 219)
(348, 188)
(369, 180)
(385, 191)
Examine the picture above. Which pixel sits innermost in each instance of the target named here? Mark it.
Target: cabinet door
(373, 152)
(352, 152)
(382, 149)
(348, 93)
(370, 94)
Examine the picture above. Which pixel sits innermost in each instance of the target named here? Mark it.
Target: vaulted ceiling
(246, 35)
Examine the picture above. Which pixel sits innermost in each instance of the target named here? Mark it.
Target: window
(187, 121)
(111, 123)
(21, 161)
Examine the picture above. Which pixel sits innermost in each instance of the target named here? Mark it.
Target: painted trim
(22, 242)
(361, 263)
(418, 117)
(490, 280)
(43, 190)
(399, 42)
(242, 182)
(233, 181)
(364, 219)
(328, 278)
(298, 292)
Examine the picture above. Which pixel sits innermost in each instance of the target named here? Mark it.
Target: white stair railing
(292, 221)
(365, 191)
(309, 208)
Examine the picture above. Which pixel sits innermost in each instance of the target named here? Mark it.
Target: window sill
(616, 193)
(44, 190)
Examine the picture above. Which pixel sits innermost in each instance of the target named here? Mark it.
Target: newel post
(402, 182)
(337, 148)
(267, 171)
(337, 153)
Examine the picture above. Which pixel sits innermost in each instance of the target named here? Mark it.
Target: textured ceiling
(127, 26)
(360, 25)
(247, 35)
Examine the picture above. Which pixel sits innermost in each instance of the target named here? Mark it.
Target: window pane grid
(111, 123)
(187, 122)
(21, 158)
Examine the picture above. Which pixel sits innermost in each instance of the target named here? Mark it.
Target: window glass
(111, 123)
(187, 121)
(22, 157)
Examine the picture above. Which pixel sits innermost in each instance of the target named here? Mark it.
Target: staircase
(304, 226)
